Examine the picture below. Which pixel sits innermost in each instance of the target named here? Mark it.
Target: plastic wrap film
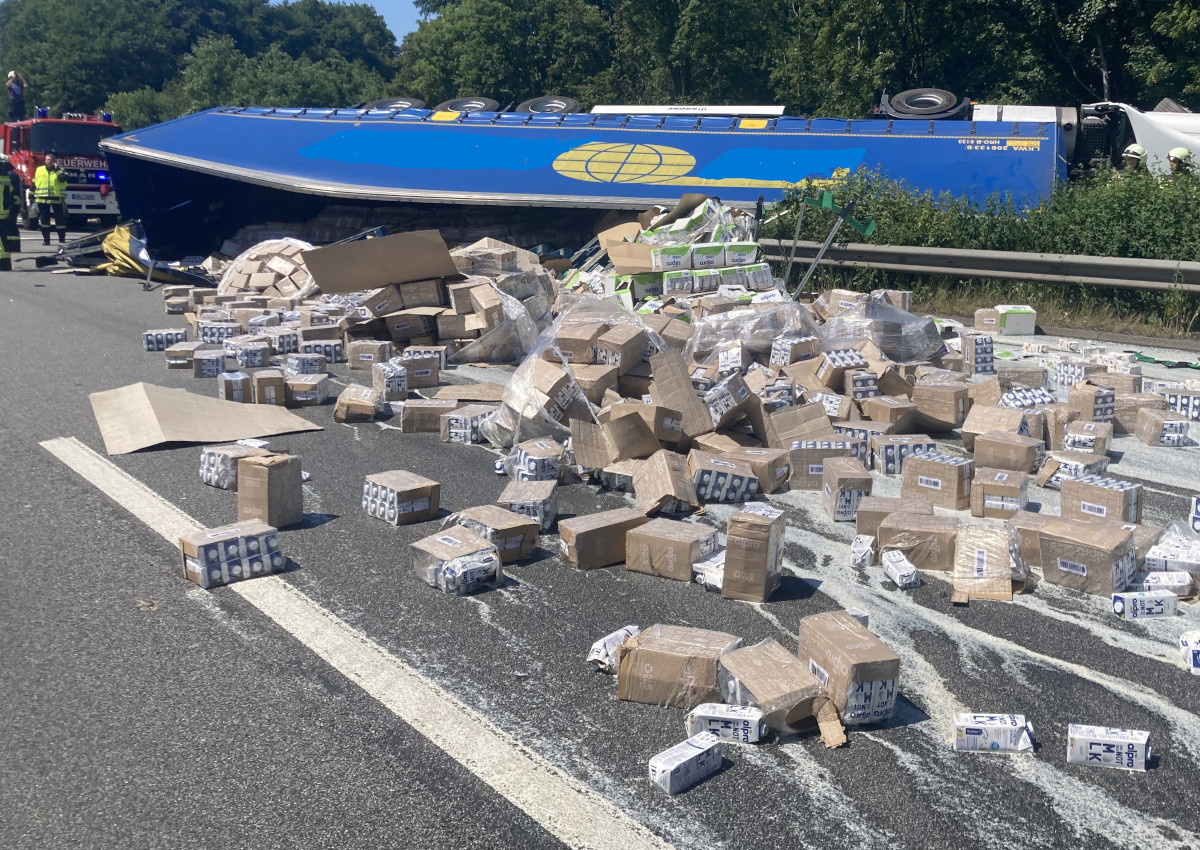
(756, 329)
(493, 258)
(521, 415)
(509, 342)
(260, 256)
(899, 334)
(988, 563)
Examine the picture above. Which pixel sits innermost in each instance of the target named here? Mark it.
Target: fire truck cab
(74, 138)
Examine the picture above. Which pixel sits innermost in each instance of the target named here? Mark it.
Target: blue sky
(401, 15)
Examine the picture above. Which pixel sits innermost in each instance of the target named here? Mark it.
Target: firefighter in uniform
(9, 231)
(50, 193)
(8, 202)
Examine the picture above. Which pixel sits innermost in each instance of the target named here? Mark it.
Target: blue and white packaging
(900, 570)
(603, 654)
(685, 764)
(330, 349)
(1177, 581)
(992, 733)
(161, 340)
(1099, 746)
(742, 724)
(1145, 604)
(1189, 648)
(862, 551)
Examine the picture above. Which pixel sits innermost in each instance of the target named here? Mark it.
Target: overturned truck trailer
(195, 180)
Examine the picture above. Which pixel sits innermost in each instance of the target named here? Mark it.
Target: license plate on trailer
(82, 196)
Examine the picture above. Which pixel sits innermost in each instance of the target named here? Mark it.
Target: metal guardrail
(1118, 272)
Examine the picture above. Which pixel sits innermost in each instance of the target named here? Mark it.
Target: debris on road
(1099, 746)
(679, 768)
(740, 723)
(992, 733)
(219, 556)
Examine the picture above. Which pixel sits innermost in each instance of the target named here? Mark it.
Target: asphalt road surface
(347, 704)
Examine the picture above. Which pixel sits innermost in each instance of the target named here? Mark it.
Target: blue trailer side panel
(577, 160)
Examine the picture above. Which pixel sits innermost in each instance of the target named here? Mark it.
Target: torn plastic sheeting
(521, 415)
(262, 252)
(509, 342)
(756, 329)
(899, 334)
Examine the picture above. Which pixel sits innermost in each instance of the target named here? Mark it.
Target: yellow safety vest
(49, 186)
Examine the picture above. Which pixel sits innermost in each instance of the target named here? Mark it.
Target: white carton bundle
(332, 350)
(603, 653)
(305, 363)
(1099, 746)
(1177, 581)
(1026, 397)
(992, 733)
(687, 763)
(162, 339)
(711, 572)
(742, 724)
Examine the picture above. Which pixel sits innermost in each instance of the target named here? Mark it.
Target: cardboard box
(597, 540)
(405, 325)
(673, 389)
(1127, 407)
(513, 534)
(845, 483)
(940, 406)
(1093, 403)
(927, 541)
(401, 497)
(672, 666)
(978, 353)
(807, 459)
(788, 349)
(984, 567)
(219, 556)
(270, 489)
(1089, 437)
(663, 422)
(891, 453)
(772, 467)
(900, 413)
(1161, 428)
(873, 509)
(664, 483)
(356, 404)
(382, 301)
(1095, 497)
(537, 460)
(457, 561)
(235, 386)
(1027, 524)
(982, 420)
(831, 366)
(1022, 374)
(668, 548)
(1097, 746)
(768, 677)
(390, 380)
(535, 499)
(488, 308)
(1093, 557)
(998, 493)
(1057, 417)
(753, 553)
(680, 767)
(801, 422)
(577, 343)
(331, 349)
(719, 478)
(1006, 450)
(219, 464)
(726, 402)
(595, 381)
(364, 354)
(179, 355)
(629, 436)
(856, 669)
(269, 387)
(622, 346)
(462, 425)
(375, 263)
(944, 480)
(1063, 466)
(424, 415)
(987, 319)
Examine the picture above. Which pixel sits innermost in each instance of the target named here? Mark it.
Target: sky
(401, 15)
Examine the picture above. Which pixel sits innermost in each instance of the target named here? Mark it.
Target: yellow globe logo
(602, 162)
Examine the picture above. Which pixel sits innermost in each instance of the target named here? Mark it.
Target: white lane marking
(563, 806)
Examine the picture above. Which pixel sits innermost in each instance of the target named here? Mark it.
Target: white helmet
(1135, 152)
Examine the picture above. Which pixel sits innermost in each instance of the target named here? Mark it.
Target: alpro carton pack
(845, 482)
(1162, 428)
(928, 542)
(270, 489)
(873, 509)
(364, 354)
(981, 420)
(998, 493)
(944, 480)
(269, 387)
(672, 665)
(1099, 746)
(1096, 497)
(768, 677)
(855, 668)
(242, 550)
(513, 535)
(992, 733)
(753, 553)
(400, 497)
(676, 769)
(356, 404)
(719, 478)
(940, 406)
(807, 458)
(1093, 403)
(741, 723)
(1090, 437)
(535, 499)
(668, 548)
(457, 561)
(597, 540)
(1006, 450)
(772, 467)
(1093, 557)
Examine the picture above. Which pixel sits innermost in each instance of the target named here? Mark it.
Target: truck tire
(550, 104)
(468, 104)
(923, 102)
(394, 103)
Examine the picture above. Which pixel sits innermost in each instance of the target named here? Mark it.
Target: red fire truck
(74, 138)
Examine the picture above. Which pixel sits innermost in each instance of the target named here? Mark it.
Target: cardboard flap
(687, 203)
(617, 235)
(374, 263)
(589, 444)
(143, 415)
(630, 257)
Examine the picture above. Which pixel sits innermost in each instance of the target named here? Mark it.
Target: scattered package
(854, 667)
(992, 733)
(400, 497)
(218, 556)
(685, 764)
(741, 724)
(1144, 604)
(1098, 746)
(897, 567)
(458, 561)
(603, 653)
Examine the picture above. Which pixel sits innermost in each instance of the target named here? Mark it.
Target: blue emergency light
(106, 116)
(43, 112)
(101, 175)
